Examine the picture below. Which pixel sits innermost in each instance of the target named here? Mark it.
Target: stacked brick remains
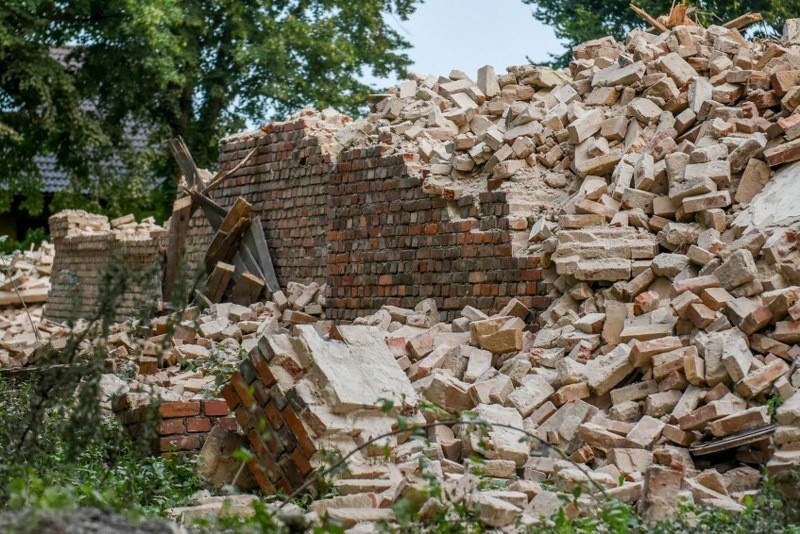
(87, 246)
(184, 425)
(300, 393)
(286, 182)
(644, 180)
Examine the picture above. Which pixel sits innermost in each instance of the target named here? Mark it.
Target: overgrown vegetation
(99, 465)
(33, 238)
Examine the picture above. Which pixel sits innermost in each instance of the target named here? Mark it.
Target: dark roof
(56, 179)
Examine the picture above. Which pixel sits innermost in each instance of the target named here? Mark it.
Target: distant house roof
(56, 179)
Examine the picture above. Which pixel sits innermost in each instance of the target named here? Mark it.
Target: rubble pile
(24, 282)
(675, 318)
(650, 180)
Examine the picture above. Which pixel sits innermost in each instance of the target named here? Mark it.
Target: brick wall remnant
(298, 395)
(184, 425)
(363, 220)
(87, 246)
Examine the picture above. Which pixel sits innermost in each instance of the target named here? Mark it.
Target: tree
(576, 21)
(195, 68)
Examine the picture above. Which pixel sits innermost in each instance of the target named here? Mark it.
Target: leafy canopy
(160, 68)
(576, 21)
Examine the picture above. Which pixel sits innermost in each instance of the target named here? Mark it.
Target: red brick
(259, 448)
(244, 418)
(215, 408)
(258, 473)
(198, 424)
(180, 409)
(171, 426)
(242, 389)
(301, 461)
(230, 396)
(273, 415)
(299, 431)
(263, 370)
(228, 423)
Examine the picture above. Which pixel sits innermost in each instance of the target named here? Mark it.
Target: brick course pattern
(86, 247)
(360, 220)
(270, 418)
(184, 425)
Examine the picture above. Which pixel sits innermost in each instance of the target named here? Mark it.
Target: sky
(468, 34)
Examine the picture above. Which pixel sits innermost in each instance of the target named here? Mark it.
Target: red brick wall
(392, 243)
(184, 425)
(360, 221)
(286, 182)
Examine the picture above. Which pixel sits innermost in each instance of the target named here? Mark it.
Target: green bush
(107, 472)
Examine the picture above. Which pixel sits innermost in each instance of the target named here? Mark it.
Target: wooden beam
(733, 441)
(677, 16)
(213, 211)
(226, 241)
(652, 21)
(182, 210)
(185, 162)
(218, 281)
(257, 242)
(745, 20)
(248, 289)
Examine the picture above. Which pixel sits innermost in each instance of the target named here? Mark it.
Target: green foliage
(160, 68)
(59, 446)
(576, 21)
(33, 238)
(106, 472)
(773, 403)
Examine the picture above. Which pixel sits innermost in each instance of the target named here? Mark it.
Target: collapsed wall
(88, 248)
(362, 221)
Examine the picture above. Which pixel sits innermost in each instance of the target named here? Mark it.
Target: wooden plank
(730, 442)
(677, 17)
(226, 241)
(28, 296)
(182, 210)
(261, 248)
(218, 281)
(185, 162)
(249, 260)
(745, 20)
(213, 211)
(248, 289)
(649, 19)
(201, 300)
(221, 177)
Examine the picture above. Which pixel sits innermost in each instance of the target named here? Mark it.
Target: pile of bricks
(25, 279)
(637, 200)
(314, 389)
(622, 418)
(674, 317)
(87, 247)
(180, 362)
